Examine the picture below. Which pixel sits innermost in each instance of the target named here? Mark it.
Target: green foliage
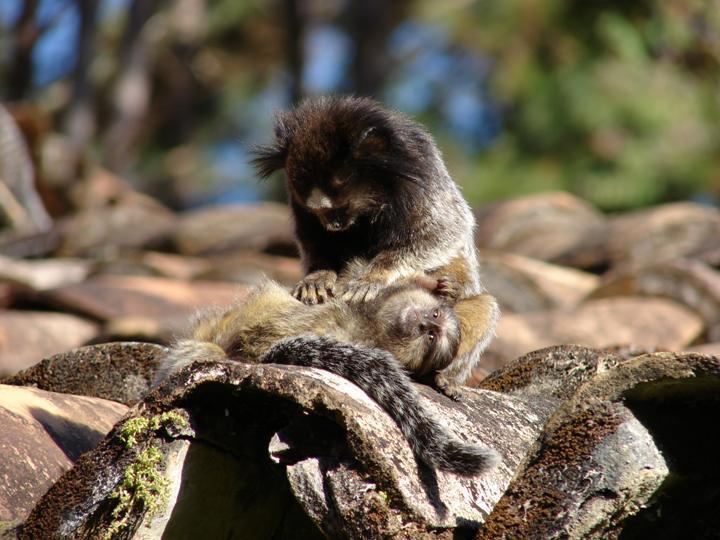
(135, 428)
(613, 101)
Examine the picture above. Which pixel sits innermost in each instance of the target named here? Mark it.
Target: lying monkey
(411, 325)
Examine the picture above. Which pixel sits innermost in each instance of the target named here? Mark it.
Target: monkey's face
(344, 159)
(337, 201)
(422, 330)
(431, 333)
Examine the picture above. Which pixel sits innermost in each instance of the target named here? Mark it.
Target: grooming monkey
(365, 182)
(410, 324)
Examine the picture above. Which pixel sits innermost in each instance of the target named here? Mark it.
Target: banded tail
(377, 372)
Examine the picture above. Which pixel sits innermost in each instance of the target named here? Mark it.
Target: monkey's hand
(363, 289)
(444, 386)
(316, 287)
(448, 287)
(445, 286)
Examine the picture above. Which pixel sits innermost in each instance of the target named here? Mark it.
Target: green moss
(132, 429)
(6, 526)
(136, 427)
(143, 487)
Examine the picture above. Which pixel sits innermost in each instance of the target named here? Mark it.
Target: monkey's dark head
(420, 329)
(344, 158)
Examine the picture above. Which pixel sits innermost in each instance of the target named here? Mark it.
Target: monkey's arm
(477, 316)
(319, 282)
(384, 269)
(389, 266)
(377, 373)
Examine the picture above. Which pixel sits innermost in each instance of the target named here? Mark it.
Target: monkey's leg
(446, 287)
(455, 278)
(478, 317)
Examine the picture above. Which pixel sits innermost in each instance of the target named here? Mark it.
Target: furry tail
(185, 352)
(377, 372)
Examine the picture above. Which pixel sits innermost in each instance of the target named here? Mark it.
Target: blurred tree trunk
(26, 33)
(19, 200)
(80, 121)
(131, 97)
(369, 24)
(294, 40)
(181, 101)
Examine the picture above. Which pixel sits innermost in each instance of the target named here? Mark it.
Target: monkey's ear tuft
(268, 159)
(283, 127)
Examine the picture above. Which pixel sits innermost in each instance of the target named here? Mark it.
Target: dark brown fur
(368, 183)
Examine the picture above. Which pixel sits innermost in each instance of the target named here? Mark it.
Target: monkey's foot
(362, 290)
(447, 388)
(316, 287)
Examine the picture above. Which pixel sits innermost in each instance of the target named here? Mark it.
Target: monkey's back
(246, 331)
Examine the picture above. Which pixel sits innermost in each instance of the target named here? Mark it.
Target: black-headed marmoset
(368, 183)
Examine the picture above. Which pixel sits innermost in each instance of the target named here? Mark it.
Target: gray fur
(186, 352)
(377, 373)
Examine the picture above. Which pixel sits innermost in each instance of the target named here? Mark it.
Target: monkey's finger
(302, 293)
(371, 291)
(447, 287)
(447, 388)
(349, 296)
(297, 291)
(362, 293)
(320, 294)
(355, 293)
(358, 292)
(348, 291)
(325, 289)
(328, 286)
(310, 294)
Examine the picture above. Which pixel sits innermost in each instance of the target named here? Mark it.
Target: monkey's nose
(431, 326)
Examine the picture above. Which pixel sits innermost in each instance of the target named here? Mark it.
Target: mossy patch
(143, 487)
(135, 428)
(557, 370)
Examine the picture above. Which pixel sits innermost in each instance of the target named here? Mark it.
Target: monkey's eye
(436, 313)
(431, 336)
